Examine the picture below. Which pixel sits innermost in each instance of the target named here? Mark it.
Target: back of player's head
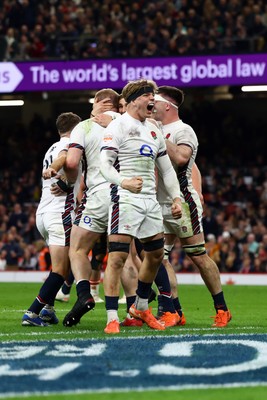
(173, 94)
(137, 88)
(108, 94)
(65, 122)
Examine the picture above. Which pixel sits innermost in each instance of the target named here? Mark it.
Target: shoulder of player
(53, 147)
(152, 122)
(186, 127)
(82, 126)
(179, 127)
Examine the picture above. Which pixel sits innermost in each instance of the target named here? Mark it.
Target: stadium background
(232, 157)
(230, 124)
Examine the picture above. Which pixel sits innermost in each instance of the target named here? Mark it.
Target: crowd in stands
(234, 175)
(78, 29)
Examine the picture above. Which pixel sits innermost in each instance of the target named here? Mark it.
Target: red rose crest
(153, 134)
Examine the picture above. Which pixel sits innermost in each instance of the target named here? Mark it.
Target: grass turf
(247, 304)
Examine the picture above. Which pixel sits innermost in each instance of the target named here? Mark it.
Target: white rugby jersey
(179, 133)
(49, 202)
(139, 146)
(87, 136)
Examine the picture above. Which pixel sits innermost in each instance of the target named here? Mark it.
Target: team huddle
(128, 173)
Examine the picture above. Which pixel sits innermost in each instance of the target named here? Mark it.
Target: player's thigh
(40, 226)
(94, 216)
(56, 228)
(82, 240)
(126, 216)
(189, 225)
(152, 224)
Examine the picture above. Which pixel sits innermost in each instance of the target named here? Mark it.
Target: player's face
(122, 106)
(159, 110)
(145, 105)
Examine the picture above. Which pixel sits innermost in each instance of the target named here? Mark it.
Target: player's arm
(72, 163)
(105, 118)
(80, 191)
(56, 165)
(197, 181)
(171, 183)
(107, 159)
(179, 154)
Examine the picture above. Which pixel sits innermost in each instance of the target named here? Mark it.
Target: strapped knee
(167, 250)
(96, 264)
(117, 246)
(139, 247)
(154, 245)
(195, 249)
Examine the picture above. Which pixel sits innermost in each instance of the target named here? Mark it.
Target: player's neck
(170, 120)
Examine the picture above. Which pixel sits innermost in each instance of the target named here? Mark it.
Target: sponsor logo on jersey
(134, 134)
(107, 138)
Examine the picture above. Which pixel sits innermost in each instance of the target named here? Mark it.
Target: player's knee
(154, 245)
(139, 247)
(100, 248)
(167, 251)
(194, 250)
(96, 264)
(119, 247)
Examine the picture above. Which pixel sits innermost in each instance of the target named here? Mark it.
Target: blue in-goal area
(142, 363)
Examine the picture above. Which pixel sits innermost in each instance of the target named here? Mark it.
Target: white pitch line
(75, 333)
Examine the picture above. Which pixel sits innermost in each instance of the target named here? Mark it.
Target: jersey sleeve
(112, 139)
(186, 136)
(169, 176)
(77, 136)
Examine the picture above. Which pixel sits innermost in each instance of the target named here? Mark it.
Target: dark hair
(174, 94)
(66, 122)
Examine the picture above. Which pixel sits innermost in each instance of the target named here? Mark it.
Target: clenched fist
(176, 208)
(134, 184)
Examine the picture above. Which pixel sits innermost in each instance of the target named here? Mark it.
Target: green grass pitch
(248, 305)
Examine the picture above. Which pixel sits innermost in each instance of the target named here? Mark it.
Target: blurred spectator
(262, 255)
(29, 259)
(44, 258)
(17, 218)
(247, 265)
(12, 249)
(213, 248)
(253, 246)
(3, 262)
(30, 232)
(9, 45)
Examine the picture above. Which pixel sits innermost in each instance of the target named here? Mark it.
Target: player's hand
(99, 107)
(49, 173)
(134, 184)
(102, 119)
(56, 190)
(176, 208)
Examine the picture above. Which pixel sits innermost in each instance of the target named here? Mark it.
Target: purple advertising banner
(98, 74)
